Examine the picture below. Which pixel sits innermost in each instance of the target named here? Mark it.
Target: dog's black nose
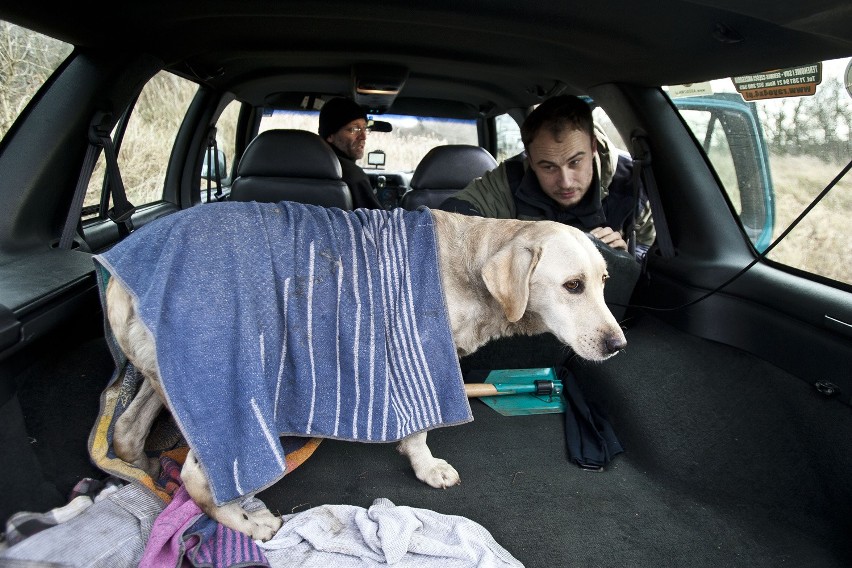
(615, 344)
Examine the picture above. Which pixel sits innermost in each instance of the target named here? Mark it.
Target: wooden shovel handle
(475, 390)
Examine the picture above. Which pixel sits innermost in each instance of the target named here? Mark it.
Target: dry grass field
(820, 243)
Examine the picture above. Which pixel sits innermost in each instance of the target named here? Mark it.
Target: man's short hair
(558, 114)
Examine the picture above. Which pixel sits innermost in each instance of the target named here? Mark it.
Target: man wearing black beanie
(343, 124)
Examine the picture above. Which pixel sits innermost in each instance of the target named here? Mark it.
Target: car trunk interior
(728, 460)
(733, 398)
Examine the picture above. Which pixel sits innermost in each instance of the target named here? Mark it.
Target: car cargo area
(728, 461)
(236, 236)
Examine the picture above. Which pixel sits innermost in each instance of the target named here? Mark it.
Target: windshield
(410, 139)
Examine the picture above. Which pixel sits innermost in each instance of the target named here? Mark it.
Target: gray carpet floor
(728, 461)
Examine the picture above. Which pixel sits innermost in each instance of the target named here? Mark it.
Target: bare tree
(829, 113)
(819, 125)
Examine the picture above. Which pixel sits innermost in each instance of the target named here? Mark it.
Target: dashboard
(389, 186)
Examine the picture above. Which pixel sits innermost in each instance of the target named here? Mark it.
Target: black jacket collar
(532, 202)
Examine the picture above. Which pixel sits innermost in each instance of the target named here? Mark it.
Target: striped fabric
(213, 544)
(276, 319)
(183, 535)
(111, 533)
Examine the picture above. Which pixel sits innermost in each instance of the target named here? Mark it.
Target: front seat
(443, 172)
(290, 165)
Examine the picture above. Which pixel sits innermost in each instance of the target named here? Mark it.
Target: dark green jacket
(512, 191)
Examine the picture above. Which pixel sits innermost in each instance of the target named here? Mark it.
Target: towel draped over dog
(289, 319)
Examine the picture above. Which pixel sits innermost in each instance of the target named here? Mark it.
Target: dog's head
(552, 275)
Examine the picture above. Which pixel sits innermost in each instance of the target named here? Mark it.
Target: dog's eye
(574, 286)
(605, 278)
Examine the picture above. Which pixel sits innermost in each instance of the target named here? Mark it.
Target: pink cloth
(183, 535)
(165, 546)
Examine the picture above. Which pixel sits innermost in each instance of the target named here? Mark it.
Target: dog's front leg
(259, 524)
(428, 469)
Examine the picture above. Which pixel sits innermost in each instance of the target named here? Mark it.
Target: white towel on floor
(346, 536)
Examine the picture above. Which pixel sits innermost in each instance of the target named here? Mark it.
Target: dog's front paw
(264, 524)
(259, 524)
(438, 473)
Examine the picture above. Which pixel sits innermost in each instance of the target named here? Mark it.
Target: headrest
(291, 154)
(452, 167)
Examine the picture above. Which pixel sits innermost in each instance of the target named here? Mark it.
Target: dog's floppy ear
(507, 277)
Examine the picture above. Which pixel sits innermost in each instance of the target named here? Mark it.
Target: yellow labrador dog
(500, 278)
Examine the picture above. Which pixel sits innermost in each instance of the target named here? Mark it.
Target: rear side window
(509, 141)
(27, 59)
(776, 139)
(145, 143)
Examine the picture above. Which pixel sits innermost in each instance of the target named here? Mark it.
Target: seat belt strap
(642, 164)
(66, 240)
(635, 182)
(122, 210)
(213, 161)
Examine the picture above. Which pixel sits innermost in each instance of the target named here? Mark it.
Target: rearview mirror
(381, 126)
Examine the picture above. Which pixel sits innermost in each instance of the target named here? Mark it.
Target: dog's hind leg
(428, 469)
(133, 426)
(259, 524)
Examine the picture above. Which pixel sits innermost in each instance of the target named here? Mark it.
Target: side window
(603, 121)
(730, 133)
(226, 132)
(27, 59)
(146, 142)
(705, 126)
(226, 129)
(509, 141)
(779, 154)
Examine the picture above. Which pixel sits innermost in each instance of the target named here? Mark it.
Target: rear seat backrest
(444, 171)
(290, 165)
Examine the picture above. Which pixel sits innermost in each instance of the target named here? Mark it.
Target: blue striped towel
(289, 319)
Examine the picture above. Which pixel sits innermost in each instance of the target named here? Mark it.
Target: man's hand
(610, 237)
